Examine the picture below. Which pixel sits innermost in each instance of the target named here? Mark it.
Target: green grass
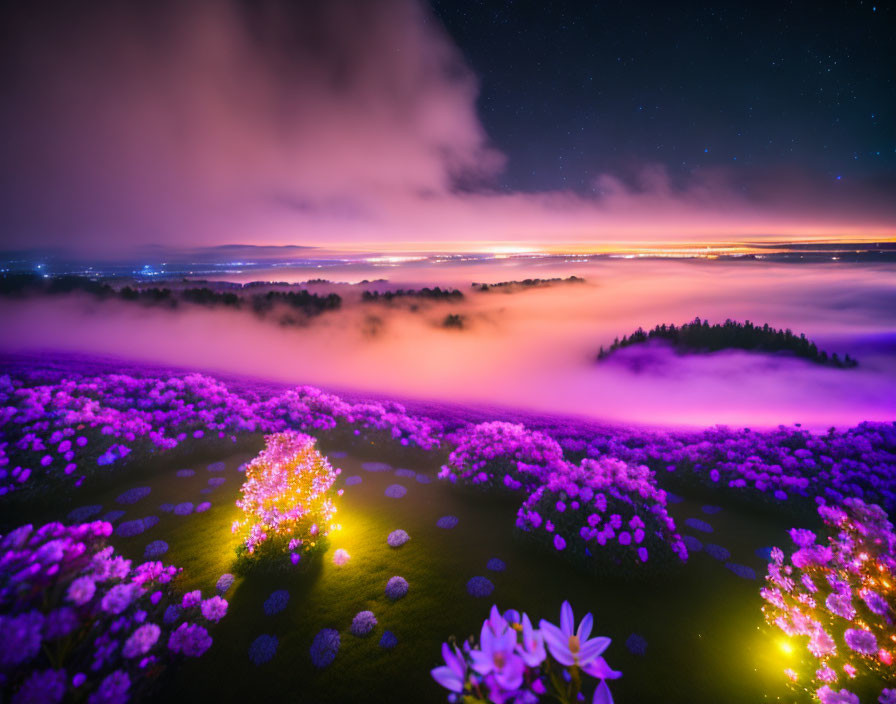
(704, 630)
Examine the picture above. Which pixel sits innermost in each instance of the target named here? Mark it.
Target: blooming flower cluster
(603, 505)
(837, 599)
(287, 498)
(81, 623)
(775, 467)
(497, 454)
(310, 409)
(516, 662)
(66, 425)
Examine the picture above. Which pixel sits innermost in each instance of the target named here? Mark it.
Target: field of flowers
(380, 597)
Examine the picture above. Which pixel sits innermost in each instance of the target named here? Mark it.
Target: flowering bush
(499, 454)
(837, 597)
(81, 623)
(513, 661)
(287, 498)
(603, 510)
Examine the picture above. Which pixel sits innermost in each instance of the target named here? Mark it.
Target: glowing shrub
(836, 599)
(287, 498)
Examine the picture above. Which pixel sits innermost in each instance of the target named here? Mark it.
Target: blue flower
(396, 491)
(156, 548)
(447, 522)
(697, 524)
(263, 649)
(480, 587)
(324, 647)
(132, 496)
(388, 641)
(716, 552)
(276, 602)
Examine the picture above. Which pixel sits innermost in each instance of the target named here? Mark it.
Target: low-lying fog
(534, 349)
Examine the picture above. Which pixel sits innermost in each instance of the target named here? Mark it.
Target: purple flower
(81, 590)
(118, 598)
(840, 605)
(396, 588)
(191, 599)
(112, 690)
(225, 581)
(531, 646)
(190, 639)
(572, 648)
(214, 608)
(453, 674)
(826, 695)
(874, 601)
(141, 640)
(42, 687)
(397, 538)
(497, 657)
(396, 491)
(861, 641)
(363, 623)
(60, 622)
(559, 542)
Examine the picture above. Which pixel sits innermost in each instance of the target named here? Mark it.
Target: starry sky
(570, 87)
(406, 124)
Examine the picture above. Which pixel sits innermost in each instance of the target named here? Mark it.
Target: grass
(706, 640)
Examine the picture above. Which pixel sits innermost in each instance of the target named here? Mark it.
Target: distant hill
(699, 336)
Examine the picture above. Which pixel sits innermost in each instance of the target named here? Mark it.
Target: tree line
(700, 336)
(301, 300)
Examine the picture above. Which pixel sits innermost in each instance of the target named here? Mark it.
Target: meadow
(165, 457)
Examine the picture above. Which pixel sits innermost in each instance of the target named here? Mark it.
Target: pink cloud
(339, 122)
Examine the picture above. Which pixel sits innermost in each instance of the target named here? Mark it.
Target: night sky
(399, 124)
(569, 88)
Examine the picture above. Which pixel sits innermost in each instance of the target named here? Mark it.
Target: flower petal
(585, 628)
(592, 648)
(446, 677)
(602, 694)
(557, 643)
(599, 669)
(567, 621)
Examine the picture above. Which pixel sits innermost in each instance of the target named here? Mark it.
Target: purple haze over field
(534, 349)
